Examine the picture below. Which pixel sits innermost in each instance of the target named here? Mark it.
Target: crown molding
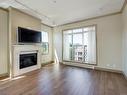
(123, 7)
(4, 9)
(111, 14)
(47, 25)
(33, 10)
(23, 12)
(97, 17)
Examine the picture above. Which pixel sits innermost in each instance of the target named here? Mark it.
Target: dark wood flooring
(66, 80)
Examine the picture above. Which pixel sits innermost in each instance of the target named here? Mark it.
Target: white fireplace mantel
(20, 49)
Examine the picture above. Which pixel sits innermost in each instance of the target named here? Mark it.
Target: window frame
(95, 25)
(44, 43)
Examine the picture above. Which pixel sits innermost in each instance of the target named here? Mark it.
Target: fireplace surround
(26, 58)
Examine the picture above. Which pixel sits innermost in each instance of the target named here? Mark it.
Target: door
(80, 45)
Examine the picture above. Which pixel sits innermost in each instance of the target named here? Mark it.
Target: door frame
(95, 25)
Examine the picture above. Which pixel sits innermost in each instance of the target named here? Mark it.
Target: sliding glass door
(79, 45)
(89, 42)
(67, 45)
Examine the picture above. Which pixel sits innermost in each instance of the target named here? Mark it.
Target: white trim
(25, 49)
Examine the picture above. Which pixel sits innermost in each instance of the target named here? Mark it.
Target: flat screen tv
(28, 36)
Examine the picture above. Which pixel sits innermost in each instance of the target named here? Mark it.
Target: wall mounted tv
(28, 36)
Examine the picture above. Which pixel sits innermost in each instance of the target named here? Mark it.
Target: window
(45, 43)
(80, 45)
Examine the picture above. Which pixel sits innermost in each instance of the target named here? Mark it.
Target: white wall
(109, 40)
(124, 16)
(57, 42)
(48, 57)
(18, 18)
(3, 42)
(21, 19)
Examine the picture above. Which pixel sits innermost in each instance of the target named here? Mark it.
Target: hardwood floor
(66, 80)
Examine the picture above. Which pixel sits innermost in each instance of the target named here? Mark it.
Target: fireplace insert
(27, 60)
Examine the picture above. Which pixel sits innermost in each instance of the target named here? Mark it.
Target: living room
(66, 49)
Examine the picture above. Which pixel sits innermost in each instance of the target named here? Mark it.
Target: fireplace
(27, 60)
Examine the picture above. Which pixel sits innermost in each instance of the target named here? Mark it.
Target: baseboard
(79, 65)
(2, 76)
(108, 70)
(50, 62)
(124, 75)
(94, 67)
(61, 62)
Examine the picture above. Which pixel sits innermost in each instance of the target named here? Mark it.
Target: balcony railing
(79, 53)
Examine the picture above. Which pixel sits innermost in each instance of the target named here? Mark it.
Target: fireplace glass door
(27, 60)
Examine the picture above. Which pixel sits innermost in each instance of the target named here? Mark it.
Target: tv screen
(28, 36)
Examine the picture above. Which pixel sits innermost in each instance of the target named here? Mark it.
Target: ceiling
(58, 12)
